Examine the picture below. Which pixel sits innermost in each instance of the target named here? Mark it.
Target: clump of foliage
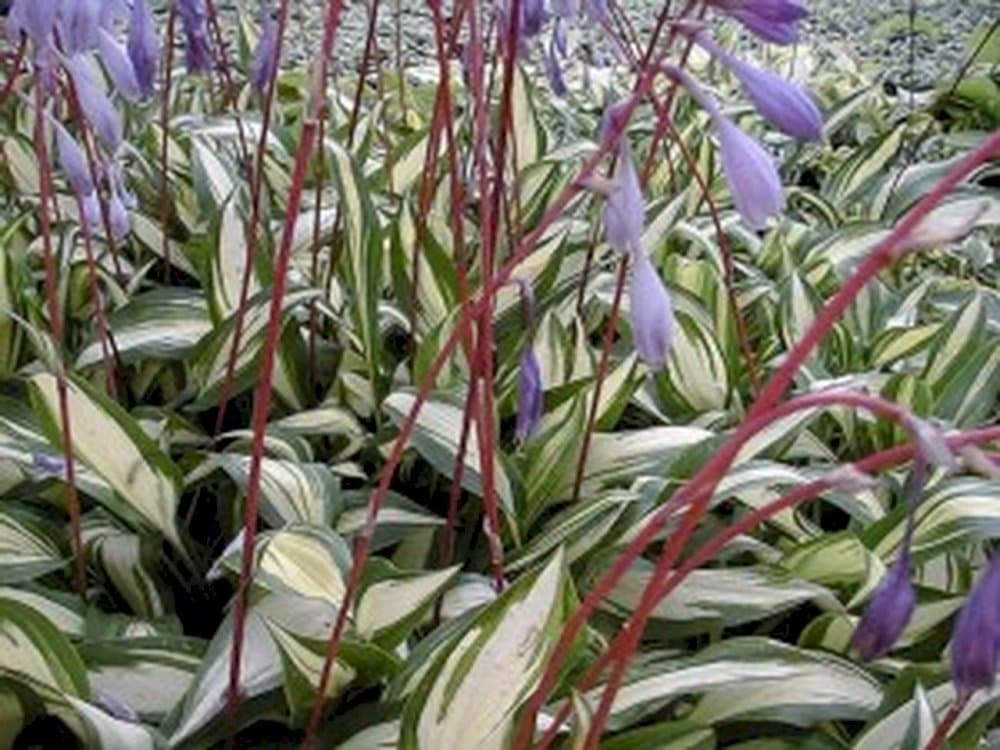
(589, 385)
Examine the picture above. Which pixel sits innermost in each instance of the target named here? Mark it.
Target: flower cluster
(65, 36)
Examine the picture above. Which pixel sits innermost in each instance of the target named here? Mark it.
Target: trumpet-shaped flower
(888, 613)
(194, 21)
(653, 322)
(119, 66)
(529, 395)
(73, 161)
(265, 60)
(143, 46)
(752, 176)
(772, 20)
(96, 105)
(79, 21)
(975, 643)
(782, 103)
(553, 69)
(624, 210)
(35, 18)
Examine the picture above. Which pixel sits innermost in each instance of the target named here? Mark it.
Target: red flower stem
(879, 258)
(314, 260)
(468, 314)
(713, 469)
(694, 491)
(109, 352)
(940, 736)
(15, 71)
(168, 77)
(612, 324)
(602, 369)
(868, 465)
(46, 197)
(699, 504)
(366, 56)
(253, 227)
(272, 336)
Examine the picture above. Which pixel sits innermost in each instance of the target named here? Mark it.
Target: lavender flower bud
(975, 642)
(889, 612)
(33, 17)
(597, 10)
(624, 210)
(567, 9)
(530, 394)
(119, 66)
(90, 216)
(560, 37)
(73, 161)
(772, 20)
(78, 24)
(143, 46)
(194, 20)
(49, 465)
(652, 313)
(96, 105)
(533, 17)
(118, 217)
(753, 179)
(782, 103)
(265, 60)
(554, 72)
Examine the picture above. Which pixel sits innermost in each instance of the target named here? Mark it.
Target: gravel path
(877, 31)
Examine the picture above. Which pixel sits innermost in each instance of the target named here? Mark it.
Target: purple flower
(889, 612)
(49, 465)
(90, 216)
(78, 24)
(119, 66)
(753, 179)
(533, 17)
(560, 37)
(567, 9)
(772, 20)
(625, 209)
(652, 313)
(782, 103)
(73, 161)
(118, 217)
(975, 642)
(143, 46)
(33, 17)
(597, 10)
(96, 105)
(194, 20)
(553, 70)
(265, 60)
(529, 394)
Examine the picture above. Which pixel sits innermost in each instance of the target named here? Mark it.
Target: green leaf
(393, 602)
(35, 648)
(471, 695)
(26, 551)
(110, 442)
(436, 436)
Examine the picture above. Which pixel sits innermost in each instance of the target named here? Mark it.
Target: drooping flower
(781, 102)
(194, 21)
(567, 9)
(73, 161)
(975, 642)
(118, 217)
(553, 70)
(653, 324)
(265, 60)
(119, 66)
(95, 104)
(751, 174)
(143, 46)
(90, 215)
(533, 17)
(79, 21)
(530, 394)
(888, 613)
(35, 18)
(772, 20)
(624, 209)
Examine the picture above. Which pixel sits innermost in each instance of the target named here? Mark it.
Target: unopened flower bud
(888, 613)
(975, 643)
(653, 322)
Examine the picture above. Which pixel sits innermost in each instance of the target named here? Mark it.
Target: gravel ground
(876, 31)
